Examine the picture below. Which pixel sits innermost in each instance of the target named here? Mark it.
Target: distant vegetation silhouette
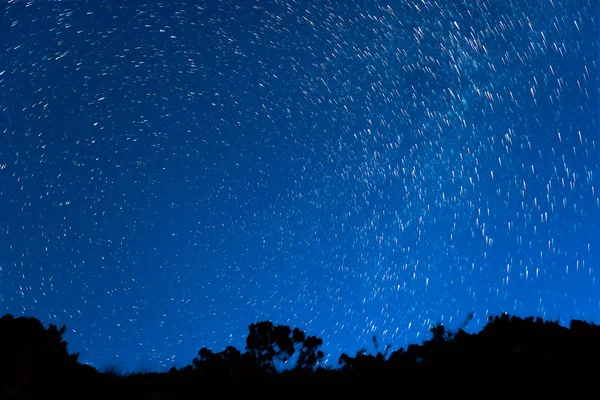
(36, 364)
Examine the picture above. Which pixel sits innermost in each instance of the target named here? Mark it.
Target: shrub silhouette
(34, 358)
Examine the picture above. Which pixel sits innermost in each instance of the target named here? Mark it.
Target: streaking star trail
(172, 172)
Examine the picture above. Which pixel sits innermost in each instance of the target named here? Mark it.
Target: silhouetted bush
(35, 359)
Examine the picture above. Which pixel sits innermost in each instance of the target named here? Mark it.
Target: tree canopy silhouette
(33, 357)
(268, 343)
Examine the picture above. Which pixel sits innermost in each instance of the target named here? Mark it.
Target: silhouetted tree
(33, 357)
(309, 354)
(267, 343)
(205, 355)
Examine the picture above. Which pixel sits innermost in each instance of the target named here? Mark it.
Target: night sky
(172, 172)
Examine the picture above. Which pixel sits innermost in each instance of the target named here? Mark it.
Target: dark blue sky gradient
(172, 172)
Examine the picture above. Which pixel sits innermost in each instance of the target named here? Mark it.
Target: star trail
(172, 172)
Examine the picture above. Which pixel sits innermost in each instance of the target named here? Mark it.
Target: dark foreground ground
(519, 357)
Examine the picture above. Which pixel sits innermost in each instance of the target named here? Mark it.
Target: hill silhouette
(35, 362)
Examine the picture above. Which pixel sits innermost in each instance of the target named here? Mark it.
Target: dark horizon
(36, 363)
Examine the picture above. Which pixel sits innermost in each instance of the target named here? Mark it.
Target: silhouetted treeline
(36, 364)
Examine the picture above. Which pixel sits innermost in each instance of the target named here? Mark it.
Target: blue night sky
(172, 172)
